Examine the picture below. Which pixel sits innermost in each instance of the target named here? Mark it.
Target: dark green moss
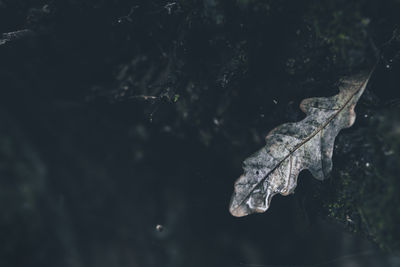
(342, 27)
(364, 192)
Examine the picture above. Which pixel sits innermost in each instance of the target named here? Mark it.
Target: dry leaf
(293, 147)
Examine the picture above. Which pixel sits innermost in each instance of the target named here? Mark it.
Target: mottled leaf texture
(293, 147)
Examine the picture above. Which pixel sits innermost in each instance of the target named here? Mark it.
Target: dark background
(117, 116)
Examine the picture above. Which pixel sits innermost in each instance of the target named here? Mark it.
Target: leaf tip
(236, 208)
(243, 203)
(238, 211)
